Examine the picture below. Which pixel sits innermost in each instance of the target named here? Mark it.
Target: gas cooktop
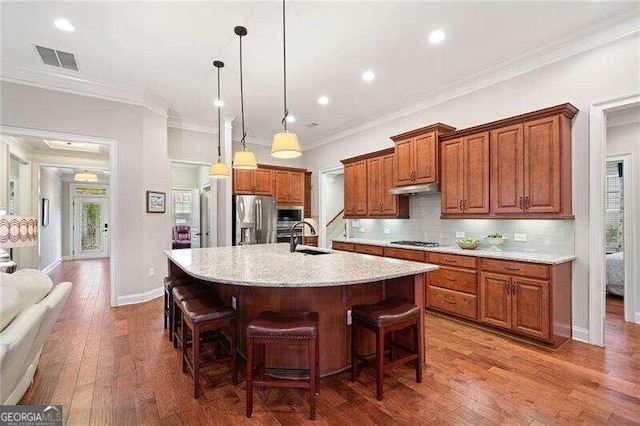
(416, 243)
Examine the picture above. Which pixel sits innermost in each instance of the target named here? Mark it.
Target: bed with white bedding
(615, 273)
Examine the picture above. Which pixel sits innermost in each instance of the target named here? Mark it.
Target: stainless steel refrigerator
(255, 219)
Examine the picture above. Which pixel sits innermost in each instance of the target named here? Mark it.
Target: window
(182, 207)
(613, 206)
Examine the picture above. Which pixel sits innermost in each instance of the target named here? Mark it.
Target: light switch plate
(519, 237)
(234, 302)
(460, 234)
(387, 230)
(151, 272)
(354, 224)
(349, 321)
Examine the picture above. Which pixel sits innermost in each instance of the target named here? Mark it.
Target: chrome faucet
(293, 242)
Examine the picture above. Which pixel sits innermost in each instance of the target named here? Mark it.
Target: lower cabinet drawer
(404, 254)
(453, 279)
(367, 249)
(451, 301)
(516, 268)
(337, 245)
(453, 260)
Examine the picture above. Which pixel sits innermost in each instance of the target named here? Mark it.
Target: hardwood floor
(115, 366)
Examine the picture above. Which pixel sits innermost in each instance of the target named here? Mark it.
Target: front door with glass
(90, 227)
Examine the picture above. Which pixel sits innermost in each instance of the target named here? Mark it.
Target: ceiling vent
(57, 58)
(311, 125)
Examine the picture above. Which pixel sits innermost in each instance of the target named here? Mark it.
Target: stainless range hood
(415, 189)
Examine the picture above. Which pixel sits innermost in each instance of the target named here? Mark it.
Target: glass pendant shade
(85, 177)
(285, 145)
(244, 160)
(219, 171)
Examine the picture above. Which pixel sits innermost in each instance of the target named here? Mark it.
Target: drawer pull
(449, 301)
(450, 279)
(451, 261)
(511, 268)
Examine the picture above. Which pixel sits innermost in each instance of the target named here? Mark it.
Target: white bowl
(495, 242)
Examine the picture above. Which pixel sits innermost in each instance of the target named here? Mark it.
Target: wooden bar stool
(200, 315)
(169, 284)
(384, 317)
(180, 294)
(283, 328)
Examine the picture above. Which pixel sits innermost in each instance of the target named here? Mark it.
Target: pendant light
(285, 144)
(245, 159)
(85, 177)
(219, 170)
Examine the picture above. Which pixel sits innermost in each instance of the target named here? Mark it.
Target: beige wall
(599, 74)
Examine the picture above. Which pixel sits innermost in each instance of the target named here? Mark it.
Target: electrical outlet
(460, 234)
(354, 224)
(361, 229)
(519, 237)
(234, 302)
(151, 272)
(387, 230)
(349, 321)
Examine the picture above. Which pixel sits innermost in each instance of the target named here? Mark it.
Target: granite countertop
(273, 265)
(544, 258)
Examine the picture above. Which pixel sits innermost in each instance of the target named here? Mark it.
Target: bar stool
(180, 294)
(169, 284)
(283, 328)
(200, 315)
(384, 317)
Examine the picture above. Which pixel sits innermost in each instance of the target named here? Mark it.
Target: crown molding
(192, 125)
(557, 51)
(257, 141)
(77, 84)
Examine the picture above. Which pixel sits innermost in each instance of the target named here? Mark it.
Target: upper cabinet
(290, 187)
(465, 175)
(416, 155)
(307, 194)
(526, 172)
(367, 180)
(253, 182)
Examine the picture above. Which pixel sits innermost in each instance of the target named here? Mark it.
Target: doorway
(332, 223)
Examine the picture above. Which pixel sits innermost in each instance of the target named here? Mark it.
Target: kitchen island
(269, 277)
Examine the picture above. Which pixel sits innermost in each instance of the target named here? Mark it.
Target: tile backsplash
(548, 236)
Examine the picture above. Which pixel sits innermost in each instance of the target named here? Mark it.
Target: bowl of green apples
(494, 240)
(468, 243)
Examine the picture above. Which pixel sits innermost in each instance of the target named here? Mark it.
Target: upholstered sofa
(29, 307)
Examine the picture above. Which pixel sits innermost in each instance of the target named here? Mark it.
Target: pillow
(33, 285)
(10, 305)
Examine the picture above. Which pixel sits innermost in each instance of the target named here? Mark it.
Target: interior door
(90, 227)
(495, 299)
(196, 233)
(205, 218)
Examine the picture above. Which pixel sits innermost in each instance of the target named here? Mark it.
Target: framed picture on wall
(156, 202)
(45, 211)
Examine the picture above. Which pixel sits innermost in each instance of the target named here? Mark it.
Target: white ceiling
(623, 116)
(35, 146)
(167, 49)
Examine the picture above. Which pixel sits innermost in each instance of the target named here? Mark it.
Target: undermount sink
(312, 252)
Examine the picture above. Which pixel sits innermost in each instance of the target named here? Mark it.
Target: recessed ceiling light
(64, 25)
(436, 37)
(368, 76)
(291, 119)
(323, 100)
(219, 103)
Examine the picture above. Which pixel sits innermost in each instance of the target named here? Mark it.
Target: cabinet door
(374, 186)
(507, 162)
(495, 299)
(404, 162)
(426, 158)
(307, 194)
(283, 187)
(263, 182)
(452, 176)
(476, 173)
(542, 165)
(360, 187)
(242, 182)
(531, 307)
(389, 202)
(349, 190)
(296, 188)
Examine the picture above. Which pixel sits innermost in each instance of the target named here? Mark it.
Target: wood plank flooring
(115, 367)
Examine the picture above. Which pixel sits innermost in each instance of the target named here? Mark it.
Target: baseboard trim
(140, 297)
(65, 258)
(637, 317)
(580, 334)
(50, 267)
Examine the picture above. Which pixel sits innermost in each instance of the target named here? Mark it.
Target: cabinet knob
(521, 205)
(460, 206)
(526, 202)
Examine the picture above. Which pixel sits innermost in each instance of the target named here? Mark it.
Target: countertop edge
(502, 255)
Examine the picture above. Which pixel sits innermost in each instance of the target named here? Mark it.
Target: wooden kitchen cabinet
(416, 155)
(465, 175)
(367, 180)
(307, 194)
(290, 187)
(495, 299)
(253, 182)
